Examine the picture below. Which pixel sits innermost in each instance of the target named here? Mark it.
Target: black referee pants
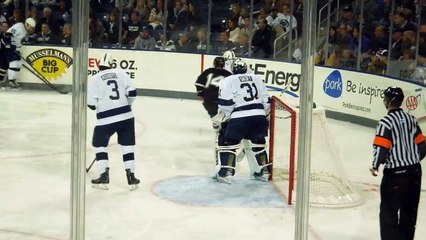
(400, 193)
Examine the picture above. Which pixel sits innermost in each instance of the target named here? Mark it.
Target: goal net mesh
(329, 185)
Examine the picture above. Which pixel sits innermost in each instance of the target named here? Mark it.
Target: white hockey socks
(129, 157)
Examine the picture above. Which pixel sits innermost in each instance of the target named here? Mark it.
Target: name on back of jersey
(245, 78)
(109, 76)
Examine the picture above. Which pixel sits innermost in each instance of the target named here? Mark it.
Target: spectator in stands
(377, 63)
(201, 44)
(235, 10)
(348, 17)
(354, 43)
(343, 36)
(283, 23)
(112, 29)
(16, 17)
(33, 13)
(284, 20)
(184, 43)
(165, 43)
(145, 40)
(178, 19)
(380, 39)
(102, 6)
(195, 18)
(233, 29)
(48, 18)
(224, 44)
(262, 40)
(332, 36)
(157, 11)
(245, 28)
(3, 28)
(369, 14)
(265, 13)
(341, 58)
(242, 49)
(63, 11)
(66, 37)
(400, 21)
(297, 54)
(408, 55)
(132, 29)
(45, 36)
(396, 50)
(244, 12)
(409, 39)
(96, 31)
(144, 11)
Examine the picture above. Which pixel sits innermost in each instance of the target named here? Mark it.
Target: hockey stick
(90, 166)
(41, 77)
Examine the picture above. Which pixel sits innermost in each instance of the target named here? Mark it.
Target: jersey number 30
(115, 93)
(251, 90)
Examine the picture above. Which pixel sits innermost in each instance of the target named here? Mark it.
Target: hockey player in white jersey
(12, 42)
(244, 105)
(111, 94)
(229, 57)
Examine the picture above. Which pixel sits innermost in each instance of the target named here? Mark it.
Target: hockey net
(329, 185)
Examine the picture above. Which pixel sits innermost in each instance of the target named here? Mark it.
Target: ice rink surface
(176, 200)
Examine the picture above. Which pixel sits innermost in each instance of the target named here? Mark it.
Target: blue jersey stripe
(224, 102)
(113, 112)
(132, 93)
(249, 107)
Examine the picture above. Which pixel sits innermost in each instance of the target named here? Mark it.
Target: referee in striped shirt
(400, 145)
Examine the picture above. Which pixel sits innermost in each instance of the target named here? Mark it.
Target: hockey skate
(263, 175)
(13, 85)
(102, 182)
(132, 180)
(227, 178)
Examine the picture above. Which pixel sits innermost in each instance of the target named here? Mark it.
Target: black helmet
(239, 66)
(219, 62)
(393, 96)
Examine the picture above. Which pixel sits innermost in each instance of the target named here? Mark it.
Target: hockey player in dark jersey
(207, 85)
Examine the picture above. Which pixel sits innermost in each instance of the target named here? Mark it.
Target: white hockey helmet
(106, 61)
(30, 22)
(239, 66)
(228, 55)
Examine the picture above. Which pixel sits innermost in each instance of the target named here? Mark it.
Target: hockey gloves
(217, 121)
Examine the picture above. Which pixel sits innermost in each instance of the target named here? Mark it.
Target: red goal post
(329, 184)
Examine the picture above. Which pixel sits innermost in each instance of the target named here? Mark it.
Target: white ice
(174, 141)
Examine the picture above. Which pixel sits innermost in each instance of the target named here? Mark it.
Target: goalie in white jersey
(244, 105)
(111, 94)
(12, 44)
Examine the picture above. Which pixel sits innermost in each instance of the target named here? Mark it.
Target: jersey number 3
(251, 90)
(115, 93)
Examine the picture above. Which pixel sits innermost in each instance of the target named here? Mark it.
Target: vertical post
(251, 29)
(120, 23)
(390, 37)
(78, 144)
(327, 38)
(209, 26)
(305, 120)
(360, 31)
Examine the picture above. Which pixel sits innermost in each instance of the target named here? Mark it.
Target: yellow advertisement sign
(50, 63)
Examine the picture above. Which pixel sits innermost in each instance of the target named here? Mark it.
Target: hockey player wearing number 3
(244, 105)
(399, 145)
(111, 94)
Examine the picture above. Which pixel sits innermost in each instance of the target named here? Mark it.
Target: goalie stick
(32, 70)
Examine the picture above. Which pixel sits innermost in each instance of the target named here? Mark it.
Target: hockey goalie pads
(257, 160)
(226, 163)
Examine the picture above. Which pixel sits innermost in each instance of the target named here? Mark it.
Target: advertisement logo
(333, 84)
(50, 63)
(412, 102)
